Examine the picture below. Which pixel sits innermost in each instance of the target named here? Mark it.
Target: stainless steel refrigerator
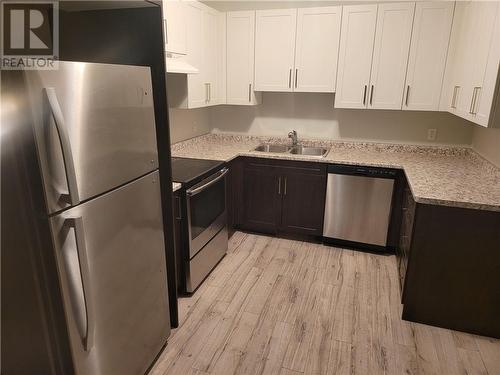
(94, 128)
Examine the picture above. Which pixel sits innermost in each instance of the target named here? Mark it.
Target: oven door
(206, 210)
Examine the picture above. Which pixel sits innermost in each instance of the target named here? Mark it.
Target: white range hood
(179, 65)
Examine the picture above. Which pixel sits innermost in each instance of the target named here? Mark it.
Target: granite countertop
(175, 186)
(442, 175)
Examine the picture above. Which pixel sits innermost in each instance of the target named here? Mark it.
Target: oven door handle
(197, 190)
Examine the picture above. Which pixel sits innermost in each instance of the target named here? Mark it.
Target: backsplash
(313, 116)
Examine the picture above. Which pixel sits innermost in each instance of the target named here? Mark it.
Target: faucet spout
(295, 139)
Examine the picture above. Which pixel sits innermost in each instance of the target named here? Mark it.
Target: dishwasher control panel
(363, 171)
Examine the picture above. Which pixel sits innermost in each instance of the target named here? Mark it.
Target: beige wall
(487, 143)
(188, 123)
(313, 116)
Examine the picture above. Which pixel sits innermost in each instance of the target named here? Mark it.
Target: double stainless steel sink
(294, 150)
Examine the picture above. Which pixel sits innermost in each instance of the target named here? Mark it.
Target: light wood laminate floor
(276, 306)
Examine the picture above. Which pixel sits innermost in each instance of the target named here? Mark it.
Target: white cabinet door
(472, 65)
(355, 55)
(206, 51)
(316, 49)
(485, 66)
(428, 50)
(390, 55)
(240, 58)
(467, 24)
(274, 49)
(209, 64)
(456, 64)
(175, 30)
(197, 90)
(220, 47)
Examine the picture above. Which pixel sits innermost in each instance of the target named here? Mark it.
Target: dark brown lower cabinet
(449, 264)
(173, 266)
(407, 217)
(286, 197)
(234, 189)
(303, 200)
(261, 197)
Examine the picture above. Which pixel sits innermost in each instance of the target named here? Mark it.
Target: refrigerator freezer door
(112, 269)
(94, 127)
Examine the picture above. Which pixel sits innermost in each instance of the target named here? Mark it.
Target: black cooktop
(187, 171)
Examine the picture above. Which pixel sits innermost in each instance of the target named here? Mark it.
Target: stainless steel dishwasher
(358, 206)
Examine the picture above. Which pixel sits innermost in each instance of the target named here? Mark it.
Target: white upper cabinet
(390, 55)
(221, 57)
(486, 62)
(428, 50)
(355, 55)
(274, 49)
(316, 49)
(472, 64)
(206, 51)
(210, 55)
(240, 58)
(175, 28)
(197, 91)
(452, 99)
(373, 57)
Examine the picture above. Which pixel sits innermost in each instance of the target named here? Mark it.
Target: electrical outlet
(431, 134)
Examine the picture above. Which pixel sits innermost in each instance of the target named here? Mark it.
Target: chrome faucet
(295, 139)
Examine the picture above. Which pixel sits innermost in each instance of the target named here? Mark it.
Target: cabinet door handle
(475, 95)
(249, 92)
(364, 95)
(407, 94)
(290, 78)
(209, 92)
(279, 185)
(371, 95)
(296, 75)
(284, 189)
(206, 92)
(471, 108)
(454, 98)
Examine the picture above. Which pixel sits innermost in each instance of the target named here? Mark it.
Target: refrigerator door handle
(88, 336)
(62, 133)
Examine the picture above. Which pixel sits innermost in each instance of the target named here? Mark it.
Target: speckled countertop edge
(430, 170)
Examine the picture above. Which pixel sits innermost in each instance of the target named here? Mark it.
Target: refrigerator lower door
(111, 262)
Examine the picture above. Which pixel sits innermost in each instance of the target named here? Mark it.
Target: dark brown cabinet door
(303, 200)
(408, 217)
(262, 202)
(234, 195)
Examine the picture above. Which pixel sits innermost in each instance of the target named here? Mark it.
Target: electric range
(202, 204)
